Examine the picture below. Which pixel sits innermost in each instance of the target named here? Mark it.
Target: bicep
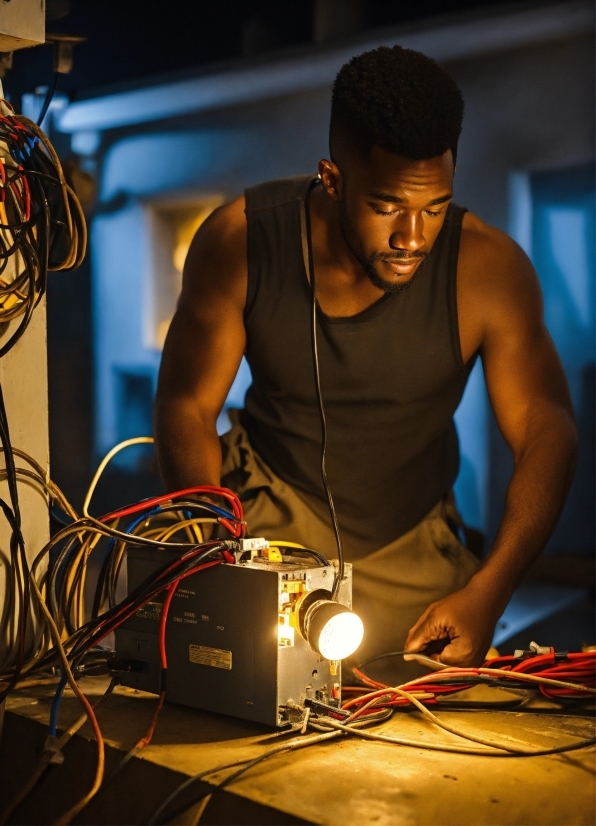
(524, 375)
(200, 360)
(206, 339)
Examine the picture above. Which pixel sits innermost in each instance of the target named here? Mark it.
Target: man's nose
(407, 233)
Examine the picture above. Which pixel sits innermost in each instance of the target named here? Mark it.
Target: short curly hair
(398, 99)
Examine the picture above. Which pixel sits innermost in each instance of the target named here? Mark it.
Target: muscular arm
(529, 395)
(202, 352)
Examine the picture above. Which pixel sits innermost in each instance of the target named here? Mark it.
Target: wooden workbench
(349, 781)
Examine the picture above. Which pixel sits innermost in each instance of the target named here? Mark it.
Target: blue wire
(219, 511)
(132, 526)
(56, 706)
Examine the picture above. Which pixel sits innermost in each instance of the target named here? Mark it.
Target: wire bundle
(42, 226)
(557, 675)
(58, 573)
(171, 523)
(379, 705)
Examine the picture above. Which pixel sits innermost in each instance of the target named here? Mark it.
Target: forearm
(187, 444)
(535, 497)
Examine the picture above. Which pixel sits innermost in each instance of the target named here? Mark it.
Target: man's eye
(433, 214)
(384, 212)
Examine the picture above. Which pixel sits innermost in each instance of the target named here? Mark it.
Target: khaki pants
(391, 587)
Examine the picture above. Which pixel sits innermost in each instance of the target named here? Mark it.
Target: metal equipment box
(22, 24)
(230, 647)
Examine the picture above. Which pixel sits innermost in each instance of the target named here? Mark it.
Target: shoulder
(496, 280)
(277, 193)
(225, 224)
(216, 260)
(484, 246)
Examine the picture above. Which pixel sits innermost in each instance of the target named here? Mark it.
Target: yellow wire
(277, 543)
(187, 524)
(138, 440)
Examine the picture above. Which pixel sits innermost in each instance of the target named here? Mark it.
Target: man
(410, 290)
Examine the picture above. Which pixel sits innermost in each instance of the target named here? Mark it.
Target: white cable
(138, 440)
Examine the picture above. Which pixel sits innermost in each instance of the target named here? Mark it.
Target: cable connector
(319, 708)
(541, 649)
(51, 747)
(535, 650)
(244, 550)
(254, 545)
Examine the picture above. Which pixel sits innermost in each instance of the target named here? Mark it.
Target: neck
(328, 244)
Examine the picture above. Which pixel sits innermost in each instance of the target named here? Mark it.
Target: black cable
(315, 354)
(245, 766)
(18, 554)
(304, 552)
(153, 585)
(48, 98)
(41, 227)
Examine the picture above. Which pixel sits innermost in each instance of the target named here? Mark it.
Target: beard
(368, 262)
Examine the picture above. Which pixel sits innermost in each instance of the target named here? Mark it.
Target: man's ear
(331, 178)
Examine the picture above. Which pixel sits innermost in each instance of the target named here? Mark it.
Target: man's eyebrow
(393, 199)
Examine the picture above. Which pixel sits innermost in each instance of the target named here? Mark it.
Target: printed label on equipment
(215, 657)
(152, 610)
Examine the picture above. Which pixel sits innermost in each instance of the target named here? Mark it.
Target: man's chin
(395, 285)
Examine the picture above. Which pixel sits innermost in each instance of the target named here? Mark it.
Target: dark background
(131, 39)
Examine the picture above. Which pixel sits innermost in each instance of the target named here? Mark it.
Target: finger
(416, 631)
(427, 630)
(458, 653)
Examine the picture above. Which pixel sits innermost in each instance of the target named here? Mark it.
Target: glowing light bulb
(341, 635)
(329, 627)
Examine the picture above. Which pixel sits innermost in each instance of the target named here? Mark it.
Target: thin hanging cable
(315, 354)
(48, 99)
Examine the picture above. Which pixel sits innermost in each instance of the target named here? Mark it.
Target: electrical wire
(355, 727)
(292, 745)
(52, 753)
(155, 523)
(48, 98)
(56, 706)
(451, 747)
(138, 440)
(317, 375)
(57, 590)
(170, 591)
(298, 550)
(42, 226)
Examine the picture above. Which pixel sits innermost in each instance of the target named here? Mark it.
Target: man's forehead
(385, 172)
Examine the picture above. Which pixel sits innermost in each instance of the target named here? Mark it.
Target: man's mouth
(402, 266)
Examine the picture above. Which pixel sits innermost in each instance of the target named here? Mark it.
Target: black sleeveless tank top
(392, 377)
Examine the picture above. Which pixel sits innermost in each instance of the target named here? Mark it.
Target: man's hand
(467, 618)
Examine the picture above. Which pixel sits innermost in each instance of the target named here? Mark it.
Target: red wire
(225, 493)
(576, 667)
(157, 500)
(27, 192)
(109, 625)
(144, 741)
(166, 607)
